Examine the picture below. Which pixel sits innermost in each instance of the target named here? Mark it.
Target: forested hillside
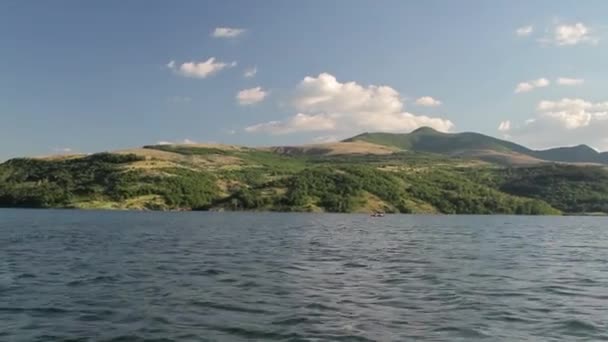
(217, 177)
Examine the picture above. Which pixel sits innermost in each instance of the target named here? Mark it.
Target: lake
(152, 276)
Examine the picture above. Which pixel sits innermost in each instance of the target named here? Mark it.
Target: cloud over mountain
(563, 122)
(326, 104)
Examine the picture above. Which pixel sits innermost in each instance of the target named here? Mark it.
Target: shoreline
(292, 212)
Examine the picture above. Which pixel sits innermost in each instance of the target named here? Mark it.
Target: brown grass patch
(333, 149)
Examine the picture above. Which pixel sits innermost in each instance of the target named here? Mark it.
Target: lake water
(146, 276)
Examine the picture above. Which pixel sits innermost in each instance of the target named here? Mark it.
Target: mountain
(426, 139)
(575, 154)
(480, 146)
(409, 173)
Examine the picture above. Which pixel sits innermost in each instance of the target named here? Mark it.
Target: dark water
(125, 276)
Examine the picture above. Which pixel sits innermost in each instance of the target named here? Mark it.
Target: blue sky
(92, 76)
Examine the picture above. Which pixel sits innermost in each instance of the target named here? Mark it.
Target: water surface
(146, 276)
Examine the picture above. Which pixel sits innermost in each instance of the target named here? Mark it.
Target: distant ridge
(427, 139)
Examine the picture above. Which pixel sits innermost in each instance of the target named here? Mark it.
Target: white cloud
(227, 32)
(179, 142)
(530, 85)
(250, 72)
(565, 122)
(570, 81)
(251, 96)
(428, 101)
(574, 113)
(325, 104)
(524, 31)
(298, 123)
(505, 126)
(201, 69)
(564, 35)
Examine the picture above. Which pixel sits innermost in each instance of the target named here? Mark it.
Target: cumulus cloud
(565, 122)
(574, 34)
(505, 126)
(201, 69)
(428, 101)
(250, 72)
(251, 96)
(530, 85)
(227, 32)
(325, 104)
(574, 113)
(570, 81)
(298, 123)
(524, 31)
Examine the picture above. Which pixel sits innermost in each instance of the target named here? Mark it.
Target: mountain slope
(426, 139)
(574, 154)
(480, 146)
(335, 178)
(337, 148)
(200, 178)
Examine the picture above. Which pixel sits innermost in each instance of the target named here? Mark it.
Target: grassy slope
(480, 146)
(230, 178)
(340, 177)
(574, 154)
(429, 140)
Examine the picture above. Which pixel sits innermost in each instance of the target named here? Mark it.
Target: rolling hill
(421, 172)
(480, 146)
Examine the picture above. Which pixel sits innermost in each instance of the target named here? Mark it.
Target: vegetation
(426, 139)
(99, 178)
(572, 189)
(185, 177)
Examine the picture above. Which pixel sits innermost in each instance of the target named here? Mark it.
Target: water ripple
(125, 276)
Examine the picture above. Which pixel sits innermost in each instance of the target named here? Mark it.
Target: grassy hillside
(575, 154)
(426, 139)
(480, 146)
(335, 178)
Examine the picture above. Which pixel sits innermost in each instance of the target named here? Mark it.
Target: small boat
(377, 215)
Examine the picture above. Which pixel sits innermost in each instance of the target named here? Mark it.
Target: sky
(82, 76)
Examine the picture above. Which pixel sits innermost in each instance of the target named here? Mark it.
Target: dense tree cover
(453, 193)
(325, 187)
(573, 189)
(403, 182)
(47, 183)
(180, 188)
(246, 199)
(340, 190)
